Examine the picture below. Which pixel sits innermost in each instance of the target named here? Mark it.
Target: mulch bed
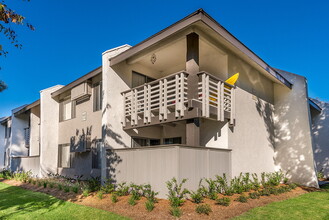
(161, 210)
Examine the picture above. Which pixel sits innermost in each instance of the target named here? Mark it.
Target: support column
(192, 67)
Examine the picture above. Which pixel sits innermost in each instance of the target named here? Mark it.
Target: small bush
(94, 184)
(292, 186)
(75, 188)
(149, 205)
(213, 196)
(132, 201)
(108, 186)
(203, 209)
(34, 182)
(242, 199)
(264, 192)
(114, 198)
(51, 184)
(196, 197)
(60, 186)
(45, 183)
(149, 193)
(85, 192)
(122, 189)
(176, 192)
(175, 211)
(225, 201)
(273, 190)
(66, 188)
(100, 194)
(254, 195)
(29, 180)
(39, 183)
(136, 191)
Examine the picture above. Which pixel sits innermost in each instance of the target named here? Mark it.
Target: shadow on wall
(320, 130)
(266, 110)
(293, 143)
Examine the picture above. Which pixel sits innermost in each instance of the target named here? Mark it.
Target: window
(65, 157)
(175, 140)
(142, 142)
(66, 109)
(7, 131)
(98, 96)
(140, 79)
(96, 155)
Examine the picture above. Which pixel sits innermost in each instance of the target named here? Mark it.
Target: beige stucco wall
(18, 124)
(35, 131)
(320, 130)
(2, 146)
(293, 145)
(85, 119)
(49, 109)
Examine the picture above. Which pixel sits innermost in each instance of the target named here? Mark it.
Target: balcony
(166, 100)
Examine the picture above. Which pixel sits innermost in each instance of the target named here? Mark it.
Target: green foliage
(149, 205)
(29, 180)
(175, 211)
(196, 196)
(45, 183)
(122, 189)
(108, 186)
(136, 191)
(224, 186)
(6, 174)
(212, 189)
(149, 193)
(255, 181)
(264, 192)
(22, 176)
(320, 174)
(273, 190)
(94, 184)
(60, 186)
(75, 188)
(254, 195)
(85, 192)
(132, 201)
(176, 192)
(242, 199)
(66, 188)
(39, 183)
(51, 184)
(34, 182)
(292, 185)
(274, 179)
(114, 198)
(225, 201)
(203, 209)
(100, 194)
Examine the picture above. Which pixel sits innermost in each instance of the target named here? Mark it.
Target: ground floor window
(175, 140)
(142, 142)
(65, 157)
(96, 154)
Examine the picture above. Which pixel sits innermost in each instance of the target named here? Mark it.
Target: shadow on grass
(15, 201)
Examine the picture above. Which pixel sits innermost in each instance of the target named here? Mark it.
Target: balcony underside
(193, 110)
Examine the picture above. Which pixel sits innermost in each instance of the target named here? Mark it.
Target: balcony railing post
(149, 103)
(165, 110)
(222, 101)
(124, 110)
(134, 107)
(176, 96)
(232, 106)
(203, 90)
(207, 95)
(161, 100)
(145, 103)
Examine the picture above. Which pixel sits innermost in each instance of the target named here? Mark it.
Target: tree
(8, 17)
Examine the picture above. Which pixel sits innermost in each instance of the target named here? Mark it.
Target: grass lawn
(17, 203)
(313, 205)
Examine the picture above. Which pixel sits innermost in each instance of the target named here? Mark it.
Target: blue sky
(71, 35)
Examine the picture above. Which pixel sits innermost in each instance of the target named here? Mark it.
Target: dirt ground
(161, 210)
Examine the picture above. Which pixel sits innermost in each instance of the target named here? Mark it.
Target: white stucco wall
(2, 147)
(49, 112)
(320, 129)
(113, 85)
(19, 123)
(293, 145)
(35, 131)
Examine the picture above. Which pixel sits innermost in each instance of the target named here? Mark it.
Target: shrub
(274, 179)
(242, 199)
(45, 184)
(212, 189)
(39, 183)
(176, 192)
(224, 186)
(196, 197)
(149, 193)
(94, 184)
(66, 188)
(114, 198)
(273, 190)
(6, 174)
(136, 191)
(149, 205)
(60, 186)
(175, 211)
(29, 180)
(108, 186)
(320, 174)
(255, 182)
(75, 188)
(100, 194)
(292, 186)
(203, 209)
(85, 192)
(132, 201)
(51, 184)
(225, 201)
(122, 189)
(264, 192)
(34, 182)
(237, 184)
(254, 195)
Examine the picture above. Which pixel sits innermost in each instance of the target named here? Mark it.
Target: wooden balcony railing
(215, 93)
(166, 98)
(157, 98)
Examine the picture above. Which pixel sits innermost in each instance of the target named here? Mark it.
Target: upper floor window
(66, 109)
(7, 131)
(140, 79)
(98, 96)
